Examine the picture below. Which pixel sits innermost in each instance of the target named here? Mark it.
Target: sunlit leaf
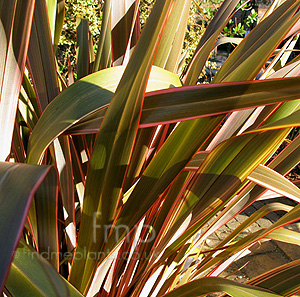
(208, 285)
(15, 25)
(113, 147)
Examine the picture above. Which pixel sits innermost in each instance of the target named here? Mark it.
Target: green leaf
(285, 235)
(172, 157)
(51, 9)
(167, 106)
(41, 60)
(17, 145)
(289, 121)
(287, 159)
(15, 203)
(283, 280)
(31, 275)
(197, 160)
(207, 41)
(219, 177)
(60, 16)
(262, 40)
(159, 107)
(64, 166)
(283, 163)
(103, 56)
(207, 206)
(82, 47)
(187, 140)
(81, 99)
(185, 103)
(170, 45)
(27, 105)
(208, 285)
(46, 206)
(56, 13)
(113, 147)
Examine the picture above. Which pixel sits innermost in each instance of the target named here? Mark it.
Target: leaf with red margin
(15, 25)
(208, 285)
(15, 203)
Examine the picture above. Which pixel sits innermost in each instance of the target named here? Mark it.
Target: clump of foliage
(87, 9)
(108, 183)
(249, 17)
(145, 8)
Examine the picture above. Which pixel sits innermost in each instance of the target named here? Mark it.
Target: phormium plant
(106, 182)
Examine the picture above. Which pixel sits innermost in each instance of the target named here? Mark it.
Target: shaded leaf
(82, 47)
(16, 201)
(41, 60)
(31, 275)
(124, 22)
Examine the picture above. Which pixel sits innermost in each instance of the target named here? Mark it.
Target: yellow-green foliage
(89, 9)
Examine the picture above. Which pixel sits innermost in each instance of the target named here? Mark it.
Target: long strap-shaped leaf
(213, 184)
(113, 147)
(41, 60)
(192, 102)
(207, 41)
(287, 122)
(168, 162)
(169, 49)
(82, 47)
(159, 107)
(283, 163)
(42, 66)
(60, 15)
(247, 241)
(32, 275)
(242, 58)
(208, 285)
(283, 280)
(103, 56)
(123, 23)
(15, 25)
(83, 98)
(274, 181)
(261, 175)
(185, 103)
(56, 13)
(214, 193)
(15, 203)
